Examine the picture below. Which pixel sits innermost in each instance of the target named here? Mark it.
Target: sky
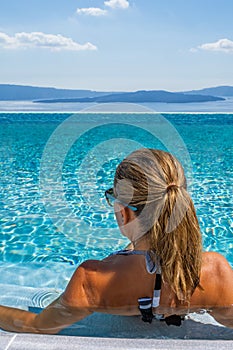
(117, 45)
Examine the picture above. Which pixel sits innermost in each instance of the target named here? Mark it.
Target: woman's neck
(141, 243)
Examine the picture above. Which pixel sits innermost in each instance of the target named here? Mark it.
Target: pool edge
(12, 341)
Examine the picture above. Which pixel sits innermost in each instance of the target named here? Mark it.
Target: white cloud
(122, 4)
(96, 11)
(224, 45)
(52, 42)
(91, 11)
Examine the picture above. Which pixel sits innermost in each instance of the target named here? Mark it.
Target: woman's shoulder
(102, 281)
(216, 281)
(93, 270)
(214, 261)
(215, 267)
(87, 283)
(121, 261)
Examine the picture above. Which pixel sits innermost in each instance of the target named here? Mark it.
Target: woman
(165, 271)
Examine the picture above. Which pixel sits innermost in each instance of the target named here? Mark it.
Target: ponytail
(166, 213)
(178, 243)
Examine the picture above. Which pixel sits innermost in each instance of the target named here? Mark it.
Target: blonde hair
(154, 182)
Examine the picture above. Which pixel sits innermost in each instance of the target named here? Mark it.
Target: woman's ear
(125, 217)
(122, 214)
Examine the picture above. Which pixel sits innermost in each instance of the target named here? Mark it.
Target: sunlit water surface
(45, 232)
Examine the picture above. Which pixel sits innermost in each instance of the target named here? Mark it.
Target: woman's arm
(51, 320)
(96, 286)
(69, 308)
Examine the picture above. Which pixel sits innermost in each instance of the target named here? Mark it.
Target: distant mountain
(53, 95)
(142, 96)
(30, 93)
(224, 91)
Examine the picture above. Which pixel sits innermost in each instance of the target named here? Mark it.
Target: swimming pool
(53, 213)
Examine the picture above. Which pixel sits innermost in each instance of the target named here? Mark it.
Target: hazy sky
(117, 44)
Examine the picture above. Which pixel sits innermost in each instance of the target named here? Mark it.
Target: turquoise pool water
(72, 223)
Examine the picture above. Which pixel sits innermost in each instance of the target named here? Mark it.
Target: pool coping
(12, 341)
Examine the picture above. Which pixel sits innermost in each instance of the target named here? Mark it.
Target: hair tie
(170, 186)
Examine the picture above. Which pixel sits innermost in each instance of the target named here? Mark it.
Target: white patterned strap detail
(156, 298)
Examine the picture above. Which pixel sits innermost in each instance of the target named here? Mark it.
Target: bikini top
(146, 304)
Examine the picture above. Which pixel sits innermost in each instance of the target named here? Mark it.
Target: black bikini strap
(158, 282)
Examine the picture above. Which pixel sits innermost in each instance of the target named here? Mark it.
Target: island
(11, 92)
(140, 97)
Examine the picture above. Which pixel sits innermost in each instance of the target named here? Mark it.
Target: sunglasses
(110, 198)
